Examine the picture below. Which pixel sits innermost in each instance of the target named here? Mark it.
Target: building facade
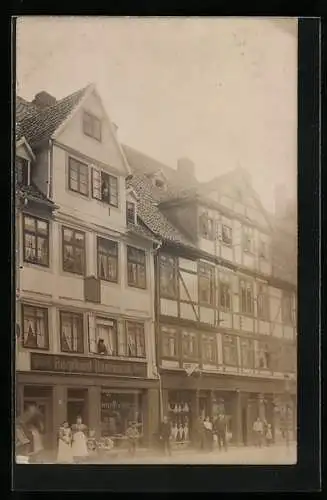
(226, 327)
(85, 274)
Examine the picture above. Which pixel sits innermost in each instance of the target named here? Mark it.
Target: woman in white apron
(79, 444)
(65, 453)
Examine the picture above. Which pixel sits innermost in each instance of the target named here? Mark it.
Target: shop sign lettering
(72, 364)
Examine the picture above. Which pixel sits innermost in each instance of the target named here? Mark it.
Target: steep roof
(24, 109)
(40, 125)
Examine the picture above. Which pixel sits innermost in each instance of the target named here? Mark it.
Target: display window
(180, 416)
(118, 410)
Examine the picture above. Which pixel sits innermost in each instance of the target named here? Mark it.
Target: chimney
(186, 169)
(44, 100)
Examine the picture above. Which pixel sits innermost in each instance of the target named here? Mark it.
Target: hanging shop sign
(74, 364)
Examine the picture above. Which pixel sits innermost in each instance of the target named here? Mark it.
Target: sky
(220, 91)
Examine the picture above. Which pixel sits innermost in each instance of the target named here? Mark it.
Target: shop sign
(74, 364)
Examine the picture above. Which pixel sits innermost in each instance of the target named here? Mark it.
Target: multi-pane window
(263, 250)
(169, 338)
(206, 284)
(209, 348)
(247, 353)
(287, 308)
(135, 339)
(248, 239)
(226, 234)
(78, 176)
(168, 276)
(73, 251)
(263, 302)
(105, 337)
(264, 356)
(104, 187)
(71, 332)
(224, 292)
(130, 212)
(206, 227)
(21, 165)
(136, 267)
(107, 259)
(91, 126)
(36, 241)
(35, 324)
(230, 350)
(246, 297)
(189, 344)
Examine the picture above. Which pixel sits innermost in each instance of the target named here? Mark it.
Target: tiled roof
(41, 125)
(141, 230)
(24, 109)
(150, 214)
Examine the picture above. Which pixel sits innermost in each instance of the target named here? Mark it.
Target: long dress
(79, 446)
(65, 453)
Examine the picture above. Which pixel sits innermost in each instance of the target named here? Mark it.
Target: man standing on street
(221, 430)
(165, 432)
(258, 432)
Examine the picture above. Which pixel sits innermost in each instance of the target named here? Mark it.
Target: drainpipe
(50, 168)
(157, 323)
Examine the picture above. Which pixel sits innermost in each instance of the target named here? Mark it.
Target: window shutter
(92, 334)
(96, 183)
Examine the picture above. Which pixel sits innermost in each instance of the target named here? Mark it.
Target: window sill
(73, 274)
(138, 359)
(36, 349)
(137, 287)
(35, 264)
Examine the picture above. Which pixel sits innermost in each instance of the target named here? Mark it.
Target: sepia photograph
(156, 240)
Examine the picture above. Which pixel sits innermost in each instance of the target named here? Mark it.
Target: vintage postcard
(156, 240)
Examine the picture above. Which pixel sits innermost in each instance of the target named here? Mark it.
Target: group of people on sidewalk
(262, 431)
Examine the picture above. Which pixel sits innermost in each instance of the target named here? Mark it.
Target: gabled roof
(24, 109)
(39, 126)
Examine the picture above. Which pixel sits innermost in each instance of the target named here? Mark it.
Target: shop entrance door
(77, 405)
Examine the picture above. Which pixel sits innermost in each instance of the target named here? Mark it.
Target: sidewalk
(273, 455)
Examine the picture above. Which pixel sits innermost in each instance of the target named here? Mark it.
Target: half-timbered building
(225, 324)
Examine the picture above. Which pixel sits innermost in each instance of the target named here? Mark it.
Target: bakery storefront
(107, 394)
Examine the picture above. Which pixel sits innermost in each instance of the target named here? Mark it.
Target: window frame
(20, 170)
(263, 312)
(289, 321)
(81, 164)
(142, 325)
(248, 341)
(37, 235)
(127, 212)
(92, 120)
(234, 344)
(224, 281)
(263, 255)
(97, 190)
(167, 332)
(248, 235)
(163, 294)
(107, 255)
(190, 334)
(228, 243)
(207, 272)
(135, 262)
(98, 320)
(210, 234)
(205, 337)
(267, 349)
(80, 342)
(248, 286)
(64, 243)
(45, 311)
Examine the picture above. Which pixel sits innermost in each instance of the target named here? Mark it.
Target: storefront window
(180, 415)
(117, 411)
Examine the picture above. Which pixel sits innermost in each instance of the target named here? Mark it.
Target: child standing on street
(92, 445)
(269, 435)
(132, 434)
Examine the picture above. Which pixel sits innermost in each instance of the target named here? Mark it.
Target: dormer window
(159, 183)
(22, 171)
(91, 126)
(130, 212)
